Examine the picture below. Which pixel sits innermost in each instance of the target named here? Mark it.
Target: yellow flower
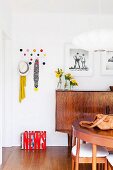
(68, 76)
(73, 82)
(59, 73)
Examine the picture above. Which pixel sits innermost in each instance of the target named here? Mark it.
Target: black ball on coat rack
(43, 63)
(21, 50)
(30, 63)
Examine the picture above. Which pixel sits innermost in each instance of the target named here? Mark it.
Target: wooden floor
(53, 158)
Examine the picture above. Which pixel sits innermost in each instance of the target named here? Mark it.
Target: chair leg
(94, 150)
(102, 166)
(99, 166)
(73, 164)
(105, 165)
(77, 154)
(109, 166)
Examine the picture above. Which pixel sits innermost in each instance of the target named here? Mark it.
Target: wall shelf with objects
(70, 106)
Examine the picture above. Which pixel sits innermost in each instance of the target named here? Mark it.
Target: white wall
(5, 17)
(51, 32)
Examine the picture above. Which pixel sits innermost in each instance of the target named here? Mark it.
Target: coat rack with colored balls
(36, 57)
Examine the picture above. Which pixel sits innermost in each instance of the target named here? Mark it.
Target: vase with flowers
(68, 80)
(59, 74)
(73, 83)
(68, 77)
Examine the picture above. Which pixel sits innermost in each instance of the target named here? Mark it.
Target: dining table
(95, 136)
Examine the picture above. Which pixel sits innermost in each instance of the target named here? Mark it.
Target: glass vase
(71, 87)
(59, 85)
(66, 85)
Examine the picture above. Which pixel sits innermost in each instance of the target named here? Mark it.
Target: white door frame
(3, 38)
(1, 91)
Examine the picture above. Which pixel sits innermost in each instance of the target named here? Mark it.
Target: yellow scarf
(22, 88)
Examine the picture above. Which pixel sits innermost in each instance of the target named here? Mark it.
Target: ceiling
(71, 6)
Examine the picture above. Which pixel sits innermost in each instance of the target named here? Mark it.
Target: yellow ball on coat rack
(34, 50)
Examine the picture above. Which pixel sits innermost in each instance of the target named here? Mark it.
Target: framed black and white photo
(107, 62)
(79, 62)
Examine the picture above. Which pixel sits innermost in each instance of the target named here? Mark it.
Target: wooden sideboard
(70, 105)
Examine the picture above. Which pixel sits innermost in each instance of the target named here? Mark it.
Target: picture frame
(106, 62)
(78, 62)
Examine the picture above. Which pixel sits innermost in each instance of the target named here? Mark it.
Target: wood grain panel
(70, 106)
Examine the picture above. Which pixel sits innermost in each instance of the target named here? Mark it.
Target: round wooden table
(93, 136)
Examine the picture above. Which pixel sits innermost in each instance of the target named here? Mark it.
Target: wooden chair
(110, 161)
(85, 155)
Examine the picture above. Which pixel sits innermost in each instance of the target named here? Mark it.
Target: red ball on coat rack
(41, 50)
